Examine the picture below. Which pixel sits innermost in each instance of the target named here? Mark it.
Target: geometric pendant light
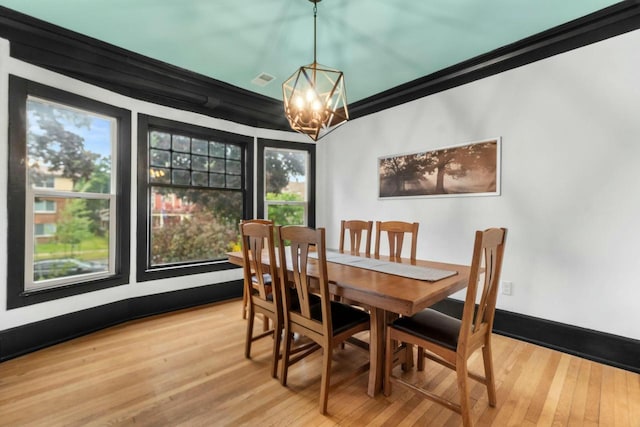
(315, 99)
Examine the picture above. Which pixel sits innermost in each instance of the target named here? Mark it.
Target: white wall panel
(570, 151)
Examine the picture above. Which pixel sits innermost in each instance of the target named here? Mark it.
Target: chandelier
(315, 101)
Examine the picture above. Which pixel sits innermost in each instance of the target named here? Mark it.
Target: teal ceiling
(379, 44)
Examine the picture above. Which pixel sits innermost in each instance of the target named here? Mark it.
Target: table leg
(376, 351)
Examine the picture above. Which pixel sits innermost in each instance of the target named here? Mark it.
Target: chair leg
(326, 377)
(420, 358)
(277, 337)
(249, 338)
(286, 352)
(463, 389)
(244, 303)
(408, 357)
(488, 373)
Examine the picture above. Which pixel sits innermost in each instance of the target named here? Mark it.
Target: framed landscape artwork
(470, 169)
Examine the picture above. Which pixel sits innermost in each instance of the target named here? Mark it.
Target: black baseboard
(24, 339)
(601, 347)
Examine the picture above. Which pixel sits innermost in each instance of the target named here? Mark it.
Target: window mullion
(41, 192)
(29, 238)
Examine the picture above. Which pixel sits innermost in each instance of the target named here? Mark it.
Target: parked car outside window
(51, 268)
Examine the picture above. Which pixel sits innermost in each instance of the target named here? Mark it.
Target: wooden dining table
(382, 293)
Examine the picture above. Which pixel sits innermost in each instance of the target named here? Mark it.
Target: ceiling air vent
(262, 79)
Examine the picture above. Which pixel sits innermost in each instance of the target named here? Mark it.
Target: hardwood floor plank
(592, 409)
(411, 418)
(607, 397)
(633, 384)
(621, 399)
(579, 400)
(523, 391)
(188, 368)
(542, 388)
(563, 410)
(509, 375)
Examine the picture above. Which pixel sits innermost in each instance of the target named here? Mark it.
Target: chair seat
(343, 316)
(295, 301)
(431, 325)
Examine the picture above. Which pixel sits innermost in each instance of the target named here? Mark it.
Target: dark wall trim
(601, 347)
(34, 336)
(137, 76)
(609, 22)
(604, 348)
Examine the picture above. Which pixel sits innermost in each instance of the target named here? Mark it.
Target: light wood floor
(187, 368)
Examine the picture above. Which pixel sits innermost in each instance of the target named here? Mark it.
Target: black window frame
(146, 123)
(287, 145)
(19, 90)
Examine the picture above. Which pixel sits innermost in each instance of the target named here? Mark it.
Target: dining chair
(327, 323)
(266, 278)
(396, 231)
(449, 341)
(355, 229)
(262, 298)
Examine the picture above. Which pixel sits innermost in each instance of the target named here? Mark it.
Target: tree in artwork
(457, 162)
(401, 170)
(470, 168)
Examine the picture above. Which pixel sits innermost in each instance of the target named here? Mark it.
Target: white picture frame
(467, 169)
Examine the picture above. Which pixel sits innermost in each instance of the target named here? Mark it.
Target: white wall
(33, 313)
(570, 128)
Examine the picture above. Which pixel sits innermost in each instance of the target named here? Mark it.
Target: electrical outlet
(507, 288)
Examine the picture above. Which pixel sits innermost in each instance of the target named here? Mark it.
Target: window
(45, 230)
(286, 181)
(44, 206)
(43, 180)
(68, 194)
(192, 194)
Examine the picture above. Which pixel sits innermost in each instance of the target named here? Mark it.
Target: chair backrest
(258, 221)
(355, 228)
(396, 231)
(302, 240)
(256, 236)
(487, 261)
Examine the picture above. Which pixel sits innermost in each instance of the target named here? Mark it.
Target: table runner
(405, 270)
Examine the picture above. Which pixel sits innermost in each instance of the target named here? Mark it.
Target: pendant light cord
(315, 14)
